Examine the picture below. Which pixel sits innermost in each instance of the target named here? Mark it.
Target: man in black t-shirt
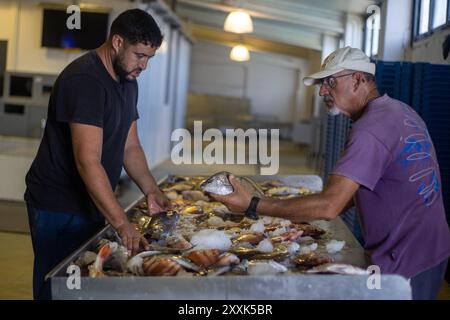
(90, 136)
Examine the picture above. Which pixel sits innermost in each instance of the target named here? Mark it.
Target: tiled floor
(16, 254)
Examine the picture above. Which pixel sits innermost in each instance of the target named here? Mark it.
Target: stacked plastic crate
(338, 128)
(435, 103)
(406, 89)
(388, 77)
(417, 87)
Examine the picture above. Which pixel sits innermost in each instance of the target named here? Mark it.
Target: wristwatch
(251, 210)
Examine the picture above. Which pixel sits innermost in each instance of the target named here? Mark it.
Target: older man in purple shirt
(389, 170)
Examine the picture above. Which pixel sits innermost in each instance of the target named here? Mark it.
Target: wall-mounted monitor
(14, 109)
(20, 86)
(55, 34)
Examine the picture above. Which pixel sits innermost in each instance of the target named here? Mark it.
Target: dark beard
(120, 70)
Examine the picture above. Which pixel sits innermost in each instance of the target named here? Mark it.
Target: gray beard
(334, 111)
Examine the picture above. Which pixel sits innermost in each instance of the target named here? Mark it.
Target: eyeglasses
(331, 82)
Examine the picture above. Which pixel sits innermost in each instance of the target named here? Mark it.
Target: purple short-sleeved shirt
(390, 154)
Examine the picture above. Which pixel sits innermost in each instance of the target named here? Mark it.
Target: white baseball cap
(347, 58)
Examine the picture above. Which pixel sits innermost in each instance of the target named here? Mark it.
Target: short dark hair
(137, 26)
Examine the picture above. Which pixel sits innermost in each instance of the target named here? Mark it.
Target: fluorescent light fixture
(238, 22)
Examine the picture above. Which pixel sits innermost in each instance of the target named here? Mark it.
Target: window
(372, 31)
(440, 13)
(424, 16)
(430, 15)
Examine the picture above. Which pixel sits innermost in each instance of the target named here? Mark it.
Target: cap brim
(314, 78)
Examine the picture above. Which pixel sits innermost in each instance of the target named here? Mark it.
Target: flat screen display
(55, 34)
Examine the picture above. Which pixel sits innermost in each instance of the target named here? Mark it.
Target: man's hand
(238, 201)
(131, 238)
(157, 202)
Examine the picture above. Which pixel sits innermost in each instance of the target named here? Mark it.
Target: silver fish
(162, 225)
(219, 184)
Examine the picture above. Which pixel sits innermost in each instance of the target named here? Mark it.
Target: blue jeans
(426, 285)
(55, 236)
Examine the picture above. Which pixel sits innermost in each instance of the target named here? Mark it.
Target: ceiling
(300, 23)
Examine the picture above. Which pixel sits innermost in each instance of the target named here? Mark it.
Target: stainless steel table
(291, 285)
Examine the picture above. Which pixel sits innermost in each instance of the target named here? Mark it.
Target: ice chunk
(272, 220)
(258, 227)
(285, 223)
(278, 232)
(335, 246)
(267, 219)
(211, 239)
(308, 248)
(293, 247)
(265, 246)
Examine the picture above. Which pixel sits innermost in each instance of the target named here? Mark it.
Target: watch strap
(251, 210)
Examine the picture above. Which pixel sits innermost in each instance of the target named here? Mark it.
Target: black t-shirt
(83, 93)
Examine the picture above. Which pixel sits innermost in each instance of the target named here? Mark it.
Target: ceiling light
(239, 53)
(238, 22)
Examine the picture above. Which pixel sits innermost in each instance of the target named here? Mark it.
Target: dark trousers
(55, 236)
(426, 285)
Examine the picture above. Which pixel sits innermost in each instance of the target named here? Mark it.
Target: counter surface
(291, 285)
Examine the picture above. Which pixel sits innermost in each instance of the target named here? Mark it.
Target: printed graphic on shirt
(418, 153)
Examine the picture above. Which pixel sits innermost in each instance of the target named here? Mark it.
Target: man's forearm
(310, 207)
(137, 169)
(99, 188)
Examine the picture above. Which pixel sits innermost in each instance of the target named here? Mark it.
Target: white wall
(395, 32)
(182, 82)
(23, 29)
(270, 81)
